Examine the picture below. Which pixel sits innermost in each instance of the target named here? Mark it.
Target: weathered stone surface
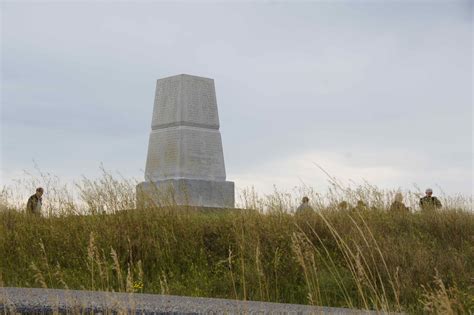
(185, 152)
(201, 193)
(185, 100)
(185, 148)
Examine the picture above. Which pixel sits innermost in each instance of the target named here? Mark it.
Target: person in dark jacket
(428, 202)
(33, 206)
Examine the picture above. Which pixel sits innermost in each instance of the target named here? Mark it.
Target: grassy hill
(416, 262)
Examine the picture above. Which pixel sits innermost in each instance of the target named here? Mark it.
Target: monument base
(189, 192)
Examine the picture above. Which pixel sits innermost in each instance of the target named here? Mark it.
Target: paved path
(48, 301)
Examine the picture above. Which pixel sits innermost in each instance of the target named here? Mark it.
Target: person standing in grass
(398, 205)
(360, 206)
(304, 207)
(33, 206)
(343, 206)
(429, 202)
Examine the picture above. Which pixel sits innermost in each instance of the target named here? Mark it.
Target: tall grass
(92, 237)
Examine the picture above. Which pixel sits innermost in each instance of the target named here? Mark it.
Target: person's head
(360, 203)
(399, 197)
(305, 199)
(343, 205)
(429, 192)
(39, 192)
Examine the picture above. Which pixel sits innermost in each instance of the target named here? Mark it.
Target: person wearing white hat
(429, 202)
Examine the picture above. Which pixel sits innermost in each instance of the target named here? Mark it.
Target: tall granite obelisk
(185, 163)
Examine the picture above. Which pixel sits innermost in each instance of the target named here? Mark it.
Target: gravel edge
(49, 301)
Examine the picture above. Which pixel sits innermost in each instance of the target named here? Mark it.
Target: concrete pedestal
(189, 192)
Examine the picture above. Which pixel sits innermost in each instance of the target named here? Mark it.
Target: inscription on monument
(201, 103)
(167, 96)
(202, 154)
(163, 153)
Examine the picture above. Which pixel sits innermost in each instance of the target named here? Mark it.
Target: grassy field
(416, 262)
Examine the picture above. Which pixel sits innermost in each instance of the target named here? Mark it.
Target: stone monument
(185, 163)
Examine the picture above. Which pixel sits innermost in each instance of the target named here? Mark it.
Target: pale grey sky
(368, 90)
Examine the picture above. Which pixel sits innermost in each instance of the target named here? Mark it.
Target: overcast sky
(381, 92)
